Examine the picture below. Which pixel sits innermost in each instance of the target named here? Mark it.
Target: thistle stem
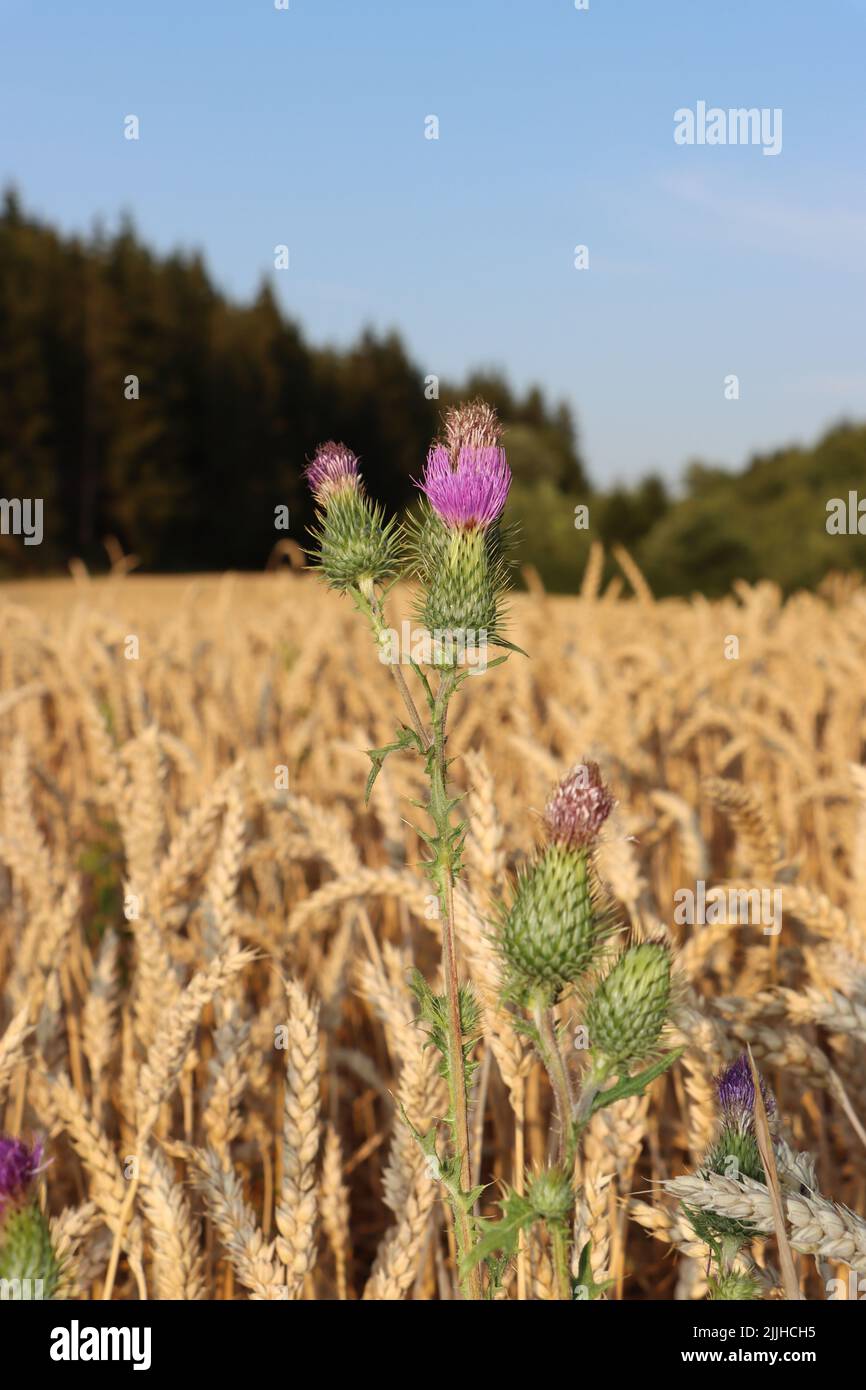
(443, 869)
(586, 1100)
(410, 704)
(559, 1245)
(553, 1060)
(377, 618)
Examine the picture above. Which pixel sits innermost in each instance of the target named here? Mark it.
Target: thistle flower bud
(551, 1194)
(734, 1153)
(736, 1091)
(356, 544)
(551, 932)
(628, 1008)
(556, 922)
(578, 807)
(332, 471)
(26, 1250)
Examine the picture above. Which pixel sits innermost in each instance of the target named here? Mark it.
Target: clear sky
(306, 127)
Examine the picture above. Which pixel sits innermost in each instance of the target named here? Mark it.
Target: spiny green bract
(356, 543)
(550, 933)
(735, 1154)
(463, 575)
(627, 1010)
(736, 1287)
(551, 1194)
(26, 1251)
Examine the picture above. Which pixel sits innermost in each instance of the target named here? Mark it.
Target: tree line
(140, 402)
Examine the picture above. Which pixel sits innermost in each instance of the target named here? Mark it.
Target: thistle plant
(733, 1154)
(455, 550)
(554, 939)
(729, 1201)
(28, 1265)
(554, 934)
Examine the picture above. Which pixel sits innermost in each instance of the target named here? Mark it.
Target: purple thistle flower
(472, 493)
(736, 1091)
(578, 807)
(333, 469)
(19, 1164)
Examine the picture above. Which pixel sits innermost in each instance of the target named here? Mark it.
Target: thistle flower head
(551, 1194)
(458, 547)
(26, 1248)
(555, 926)
(472, 491)
(578, 807)
(736, 1092)
(356, 543)
(333, 470)
(19, 1164)
(473, 424)
(627, 1011)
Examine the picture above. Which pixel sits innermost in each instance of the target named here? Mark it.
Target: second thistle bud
(551, 1194)
(551, 933)
(735, 1152)
(356, 543)
(548, 936)
(27, 1259)
(627, 1010)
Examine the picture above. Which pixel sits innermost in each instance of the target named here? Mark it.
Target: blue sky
(306, 127)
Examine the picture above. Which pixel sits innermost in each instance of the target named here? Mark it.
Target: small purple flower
(19, 1164)
(578, 807)
(333, 469)
(472, 493)
(736, 1091)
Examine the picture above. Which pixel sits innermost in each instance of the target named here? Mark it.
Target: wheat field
(206, 936)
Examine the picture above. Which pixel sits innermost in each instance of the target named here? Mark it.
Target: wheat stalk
(297, 1207)
(816, 1225)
